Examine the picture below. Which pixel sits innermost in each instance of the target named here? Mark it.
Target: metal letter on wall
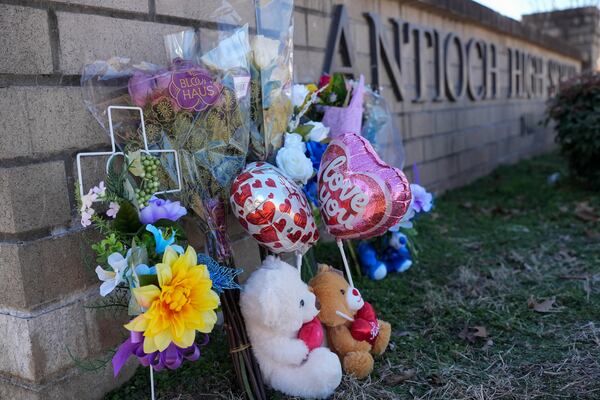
(340, 42)
(475, 49)
(491, 65)
(438, 65)
(515, 60)
(380, 49)
(453, 90)
(419, 38)
(528, 71)
(538, 77)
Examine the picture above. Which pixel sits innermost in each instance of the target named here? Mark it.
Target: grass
(486, 252)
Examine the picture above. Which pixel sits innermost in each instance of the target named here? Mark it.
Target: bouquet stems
(245, 365)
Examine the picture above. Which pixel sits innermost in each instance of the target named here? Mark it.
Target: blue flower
(310, 190)
(161, 241)
(315, 152)
(143, 269)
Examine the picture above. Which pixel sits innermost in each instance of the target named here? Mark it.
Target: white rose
(299, 93)
(265, 51)
(319, 132)
(294, 141)
(294, 164)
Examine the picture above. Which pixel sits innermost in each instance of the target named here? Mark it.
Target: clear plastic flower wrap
(198, 106)
(271, 69)
(381, 130)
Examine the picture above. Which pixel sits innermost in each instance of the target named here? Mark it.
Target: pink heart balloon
(360, 196)
(273, 209)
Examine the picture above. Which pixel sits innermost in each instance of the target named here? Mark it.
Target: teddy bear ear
(324, 268)
(337, 271)
(270, 307)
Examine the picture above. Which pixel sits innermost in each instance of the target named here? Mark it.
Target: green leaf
(135, 163)
(115, 180)
(338, 85)
(148, 280)
(129, 193)
(304, 130)
(174, 225)
(127, 220)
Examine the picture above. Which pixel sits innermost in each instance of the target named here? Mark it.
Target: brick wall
(45, 272)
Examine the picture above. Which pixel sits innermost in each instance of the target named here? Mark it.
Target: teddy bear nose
(355, 292)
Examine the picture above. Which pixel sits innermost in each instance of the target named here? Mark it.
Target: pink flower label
(194, 89)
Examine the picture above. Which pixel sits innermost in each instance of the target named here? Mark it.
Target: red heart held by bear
(360, 195)
(312, 333)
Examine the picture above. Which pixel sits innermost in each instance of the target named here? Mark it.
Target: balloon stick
(346, 266)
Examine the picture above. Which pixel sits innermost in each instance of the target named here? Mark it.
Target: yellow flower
(182, 305)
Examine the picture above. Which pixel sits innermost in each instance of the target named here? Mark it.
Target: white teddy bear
(275, 304)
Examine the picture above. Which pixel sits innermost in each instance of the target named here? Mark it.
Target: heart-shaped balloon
(360, 196)
(273, 209)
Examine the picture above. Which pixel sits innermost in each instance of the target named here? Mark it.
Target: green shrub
(576, 113)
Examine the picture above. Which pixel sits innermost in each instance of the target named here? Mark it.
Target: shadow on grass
(486, 251)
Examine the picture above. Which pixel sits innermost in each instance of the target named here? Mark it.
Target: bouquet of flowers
(172, 292)
(271, 77)
(198, 107)
(333, 106)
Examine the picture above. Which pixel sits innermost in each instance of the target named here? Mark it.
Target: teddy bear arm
(383, 339)
(344, 343)
(286, 351)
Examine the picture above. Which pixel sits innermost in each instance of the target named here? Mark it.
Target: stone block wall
(451, 143)
(46, 269)
(580, 27)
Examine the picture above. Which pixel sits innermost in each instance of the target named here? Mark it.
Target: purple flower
(422, 199)
(143, 87)
(140, 88)
(161, 209)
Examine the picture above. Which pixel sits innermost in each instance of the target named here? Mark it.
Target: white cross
(114, 151)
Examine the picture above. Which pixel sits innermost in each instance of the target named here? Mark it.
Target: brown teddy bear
(353, 330)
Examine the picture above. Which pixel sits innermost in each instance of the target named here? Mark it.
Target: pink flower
(144, 87)
(163, 79)
(88, 199)
(86, 217)
(99, 190)
(113, 209)
(324, 80)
